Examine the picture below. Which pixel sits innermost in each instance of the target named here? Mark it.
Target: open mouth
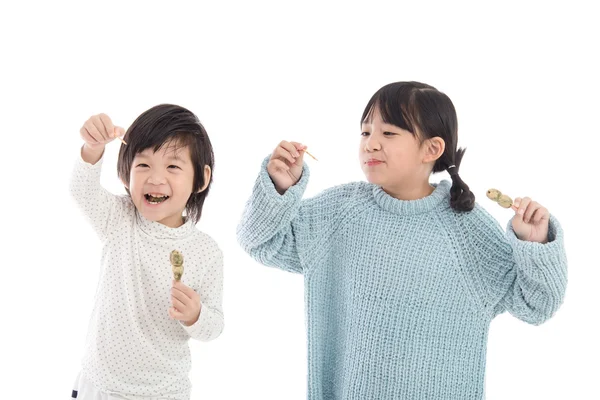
(155, 198)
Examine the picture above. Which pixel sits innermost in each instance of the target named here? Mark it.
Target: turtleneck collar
(439, 196)
(160, 231)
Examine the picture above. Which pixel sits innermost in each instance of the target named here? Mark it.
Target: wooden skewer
(122, 141)
(306, 151)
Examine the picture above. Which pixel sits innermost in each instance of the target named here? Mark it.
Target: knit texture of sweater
(399, 294)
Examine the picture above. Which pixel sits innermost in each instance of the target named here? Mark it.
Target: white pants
(83, 389)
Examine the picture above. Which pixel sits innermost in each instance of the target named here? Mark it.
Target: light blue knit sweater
(400, 294)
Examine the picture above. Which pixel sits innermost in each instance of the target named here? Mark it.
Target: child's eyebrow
(168, 158)
(175, 158)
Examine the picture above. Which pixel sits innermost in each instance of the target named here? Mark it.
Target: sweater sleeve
(527, 279)
(210, 322)
(100, 207)
(285, 231)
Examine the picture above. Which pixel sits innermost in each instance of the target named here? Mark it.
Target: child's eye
(173, 166)
(143, 165)
(388, 133)
(365, 134)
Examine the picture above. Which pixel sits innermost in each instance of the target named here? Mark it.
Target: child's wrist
(193, 321)
(281, 191)
(523, 239)
(96, 149)
(92, 154)
(190, 323)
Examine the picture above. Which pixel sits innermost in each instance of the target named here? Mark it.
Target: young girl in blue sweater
(402, 277)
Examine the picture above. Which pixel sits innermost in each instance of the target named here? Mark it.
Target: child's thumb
(119, 132)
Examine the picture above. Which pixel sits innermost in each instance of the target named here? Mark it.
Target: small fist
(285, 165)
(99, 130)
(531, 220)
(186, 304)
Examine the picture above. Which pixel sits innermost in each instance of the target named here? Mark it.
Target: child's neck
(174, 221)
(407, 192)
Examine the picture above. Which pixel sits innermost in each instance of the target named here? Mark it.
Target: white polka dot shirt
(133, 348)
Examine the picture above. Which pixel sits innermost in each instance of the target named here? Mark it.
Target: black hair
(177, 126)
(427, 113)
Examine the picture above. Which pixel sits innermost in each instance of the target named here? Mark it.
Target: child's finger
(177, 304)
(85, 135)
(291, 148)
(523, 206)
(282, 153)
(301, 150)
(108, 125)
(531, 208)
(93, 131)
(279, 165)
(175, 314)
(287, 151)
(299, 146)
(100, 128)
(540, 214)
(534, 217)
(181, 296)
(188, 291)
(120, 132)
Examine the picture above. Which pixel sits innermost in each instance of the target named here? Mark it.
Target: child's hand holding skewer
(99, 130)
(186, 304)
(531, 219)
(285, 164)
(96, 132)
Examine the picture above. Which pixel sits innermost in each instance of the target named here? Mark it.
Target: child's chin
(152, 216)
(374, 179)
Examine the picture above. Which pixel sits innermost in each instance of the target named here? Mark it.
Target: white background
(522, 75)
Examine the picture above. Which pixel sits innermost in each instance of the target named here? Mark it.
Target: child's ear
(434, 148)
(207, 173)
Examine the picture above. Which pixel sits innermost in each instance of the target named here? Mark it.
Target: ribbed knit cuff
(291, 195)
(546, 258)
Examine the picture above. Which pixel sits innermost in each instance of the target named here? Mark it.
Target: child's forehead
(377, 121)
(169, 150)
(374, 116)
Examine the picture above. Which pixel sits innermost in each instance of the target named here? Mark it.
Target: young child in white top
(137, 343)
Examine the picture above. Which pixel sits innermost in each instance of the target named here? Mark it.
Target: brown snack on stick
(177, 263)
(498, 197)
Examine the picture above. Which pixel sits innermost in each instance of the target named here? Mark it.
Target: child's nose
(157, 178)
(372, 143)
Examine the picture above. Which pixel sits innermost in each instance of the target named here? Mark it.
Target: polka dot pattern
(133, 347)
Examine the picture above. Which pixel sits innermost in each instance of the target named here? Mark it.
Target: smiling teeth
(152, 199)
